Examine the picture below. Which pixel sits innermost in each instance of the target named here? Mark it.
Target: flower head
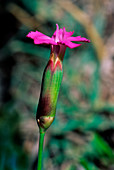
(60, 37)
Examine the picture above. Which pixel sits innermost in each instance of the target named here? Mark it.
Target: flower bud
(51, 82)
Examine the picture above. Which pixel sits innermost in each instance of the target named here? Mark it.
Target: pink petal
(44, 41)
(78, 38)
(55, 35)
(70, 44)
(58, 35)
(67, 34)
(61, 34)
(40, 38)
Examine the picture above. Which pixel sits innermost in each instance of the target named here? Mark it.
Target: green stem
(40, 152)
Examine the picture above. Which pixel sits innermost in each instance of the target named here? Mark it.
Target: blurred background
(82, 135)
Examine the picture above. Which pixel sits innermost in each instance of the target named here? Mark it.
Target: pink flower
(60, 37)
(53, 72)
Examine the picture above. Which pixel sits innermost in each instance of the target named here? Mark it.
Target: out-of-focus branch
(23, 16)
(84, 19)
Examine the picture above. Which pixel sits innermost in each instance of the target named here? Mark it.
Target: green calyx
(51, 82)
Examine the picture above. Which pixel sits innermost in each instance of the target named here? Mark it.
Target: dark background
(82, 135)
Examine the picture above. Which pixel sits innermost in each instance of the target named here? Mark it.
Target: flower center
(59, 36)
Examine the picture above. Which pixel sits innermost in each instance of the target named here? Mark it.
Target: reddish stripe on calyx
(58, 64)
(54, 63)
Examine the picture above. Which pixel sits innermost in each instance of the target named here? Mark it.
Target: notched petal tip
(28, 35)
(88, 41)
(32, 34)
(79, 39)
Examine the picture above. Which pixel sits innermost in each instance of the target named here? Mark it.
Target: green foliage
(12, 155)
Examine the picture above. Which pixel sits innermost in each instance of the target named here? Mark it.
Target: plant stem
(40, 152)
